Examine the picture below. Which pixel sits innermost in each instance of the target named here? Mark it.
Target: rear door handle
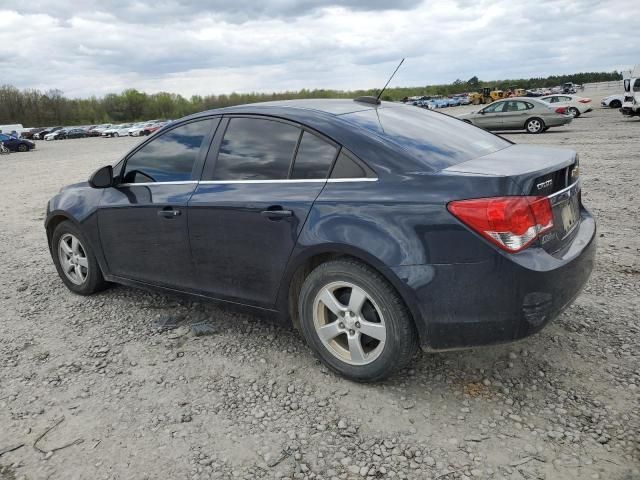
(276, 213)
(169, 212)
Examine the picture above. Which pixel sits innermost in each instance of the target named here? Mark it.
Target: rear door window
(314, 158)
(169, 157)
(256, 149)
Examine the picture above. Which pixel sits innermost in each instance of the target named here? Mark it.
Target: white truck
(631, 102)
(13, 129)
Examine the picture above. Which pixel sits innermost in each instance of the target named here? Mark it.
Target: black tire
(23, 148)
(574, 112)
(401, 340)
(615, 104)
(94, 281)
(534, 125)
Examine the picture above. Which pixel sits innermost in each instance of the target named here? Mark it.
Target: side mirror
(481, 112)
(102, 178)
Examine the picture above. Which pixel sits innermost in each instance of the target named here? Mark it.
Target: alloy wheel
(534, 126)
(73, 259)
(349, 323)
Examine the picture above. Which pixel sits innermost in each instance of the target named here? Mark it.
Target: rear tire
(371, 336)
(75, 261)
(534, 125)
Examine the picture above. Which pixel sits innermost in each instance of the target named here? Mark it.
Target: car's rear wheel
(75, 262)
(534, 125)
(574, 112)
(22, 148)
(355, 321)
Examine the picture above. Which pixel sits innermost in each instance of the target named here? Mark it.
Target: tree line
(34, 108)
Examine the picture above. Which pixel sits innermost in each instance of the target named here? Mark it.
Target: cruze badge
(545, 184)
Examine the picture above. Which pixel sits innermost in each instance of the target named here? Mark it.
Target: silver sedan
(518, 113)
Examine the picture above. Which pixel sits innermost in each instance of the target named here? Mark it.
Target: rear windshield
(437, 139)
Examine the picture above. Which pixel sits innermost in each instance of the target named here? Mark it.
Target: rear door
(260, 180)
(515, 113)
(143, 219)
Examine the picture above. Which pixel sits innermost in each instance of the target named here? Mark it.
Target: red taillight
(511, 223)
(561, 110)
(584, 100)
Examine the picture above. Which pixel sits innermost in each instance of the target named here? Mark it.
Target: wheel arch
(304, 263)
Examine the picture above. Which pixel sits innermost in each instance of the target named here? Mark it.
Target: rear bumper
(502, 299)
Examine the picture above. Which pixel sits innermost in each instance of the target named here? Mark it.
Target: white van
(9, 129)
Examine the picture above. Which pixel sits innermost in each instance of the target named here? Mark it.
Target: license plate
(569, 215)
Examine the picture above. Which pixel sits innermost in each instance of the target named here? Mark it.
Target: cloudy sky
(92, 47)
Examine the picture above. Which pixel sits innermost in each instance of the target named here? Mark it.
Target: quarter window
(348, 167)
(314, 158)
(256, 149)
(169, 157)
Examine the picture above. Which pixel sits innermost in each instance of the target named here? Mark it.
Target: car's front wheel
(22, 148)
(74, 260)
(355, 321)
(615, 104)
(574, 112)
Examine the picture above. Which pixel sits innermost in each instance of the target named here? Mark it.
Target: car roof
(329, 106)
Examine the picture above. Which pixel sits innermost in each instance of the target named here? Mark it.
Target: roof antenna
(376, 100)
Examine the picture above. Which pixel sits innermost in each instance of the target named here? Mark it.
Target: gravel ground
(251, 401)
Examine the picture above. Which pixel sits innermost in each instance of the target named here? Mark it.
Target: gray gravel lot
(251, 401)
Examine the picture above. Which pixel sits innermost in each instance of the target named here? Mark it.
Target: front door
(491, 118)
(143, 219)
(247, 212)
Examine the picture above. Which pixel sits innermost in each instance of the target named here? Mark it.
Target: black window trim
(198, 165)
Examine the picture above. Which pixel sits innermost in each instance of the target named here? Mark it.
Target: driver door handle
(276, 213)
(169, 212)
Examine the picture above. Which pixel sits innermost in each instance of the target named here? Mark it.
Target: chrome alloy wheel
(73, 259)
(534, 126)
(349, 323)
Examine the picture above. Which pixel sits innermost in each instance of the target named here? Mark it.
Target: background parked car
(612, 101)
(40, 135)
(16, 144)
(76, 133)
(576, 105)
(154, 128)
(519, 113)
(118, 130)
(138, 129)
(98, 129)
(57, 135)
(28, 133)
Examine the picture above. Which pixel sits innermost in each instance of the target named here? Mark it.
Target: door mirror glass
(102, 178)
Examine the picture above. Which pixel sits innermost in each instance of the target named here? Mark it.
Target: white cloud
(204, 47)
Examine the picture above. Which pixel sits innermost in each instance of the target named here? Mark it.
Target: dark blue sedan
(373, 228)
(16, 144)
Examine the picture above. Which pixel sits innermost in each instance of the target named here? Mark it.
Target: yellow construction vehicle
(482, 97)
(496, 95)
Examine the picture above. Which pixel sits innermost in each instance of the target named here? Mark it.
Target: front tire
(75, 261)
(23, 148)
(355, 321)
(615, 104)
(534, 125)
(575, 113)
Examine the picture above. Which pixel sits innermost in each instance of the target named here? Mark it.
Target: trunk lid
(539, 171)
